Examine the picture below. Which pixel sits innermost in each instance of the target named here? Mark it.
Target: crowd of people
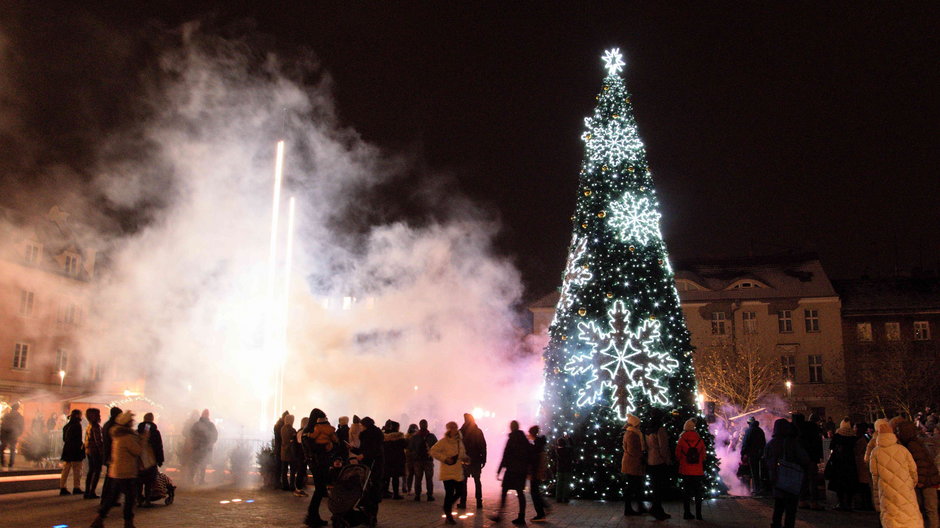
(892, 466)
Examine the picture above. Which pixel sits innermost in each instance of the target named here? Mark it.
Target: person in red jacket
(690, 452)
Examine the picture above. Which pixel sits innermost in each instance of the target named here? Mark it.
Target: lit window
(863, 331)
(811, 317)
(61, 359)
(815, 368)
(32, 253)
(921, 331)
(21, 356)
(26, 303)
(745, 285)
(785, 321)
(788, 362)
(750, 322)
(718, 323)
(71, 264)
(893, 331)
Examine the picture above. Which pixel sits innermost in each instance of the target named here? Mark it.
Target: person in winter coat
(276, 447)
(342, 432)
(810, 437)
(452, 454)
(475, 441)
(928, 478)
(752, 454)
(538, 473)
(320, 441)
(633, 466)
(73, 453)
(300, 459)
(288, 469)
(106, 438)
(895, 471)
(659, 462)
(872, 444)
(840, 469)
(784, 446)
(514, 468)
(861, 467)
(563, 454)
(422, 464)
(151, 458)
(409, 460)
(690, 452)
(94, 451)
(354, 430)
(394, 456)
(126, 448)
(11, 428)
(204, 436)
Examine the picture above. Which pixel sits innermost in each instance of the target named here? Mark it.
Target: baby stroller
(162, 489)
(352, 499)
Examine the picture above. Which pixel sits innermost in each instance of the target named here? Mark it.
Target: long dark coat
(517, 459)
(73, 441)
(783, 444)
(393, 449)
(841, 470)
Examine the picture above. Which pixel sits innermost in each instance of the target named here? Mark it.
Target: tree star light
(613, 61)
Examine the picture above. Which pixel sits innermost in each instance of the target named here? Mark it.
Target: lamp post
(789, 385)
(61, 379)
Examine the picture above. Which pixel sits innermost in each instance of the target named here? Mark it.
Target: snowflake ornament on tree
(575, 274)
(611, 142)
(635, 220)
(622, 362)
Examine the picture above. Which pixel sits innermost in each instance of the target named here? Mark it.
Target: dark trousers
(692, 492)
(451, 493)
(520, 493)
(425, 469)
(535, 490)
(633, 491)
(127, 487)
(785, 505)
(94, 474)
(395, 482)
(471, 471)
(301, 480)
(145, 481)
(757, 483)
(108, 483)
(11, 445)
(562, 486)
(288, 474)
(321, 477)
(659, 482)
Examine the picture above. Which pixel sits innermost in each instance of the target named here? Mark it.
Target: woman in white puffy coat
(894, 470)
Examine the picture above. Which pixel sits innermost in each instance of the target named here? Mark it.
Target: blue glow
(250, 500)
(61, 526)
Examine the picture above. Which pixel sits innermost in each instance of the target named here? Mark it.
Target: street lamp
(789, 385)
(61, 379)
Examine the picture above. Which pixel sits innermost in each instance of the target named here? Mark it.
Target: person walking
(690, 452)
(126, 448)
(752, 454)
(393, 446)
(475, 441)
(11, 428)
(633, 466)
(895, 471)
(319, 442)
(94, 451)
(659, 461)
(784, 447)
(563, 454)
(422, 463)
(73, 453)
(928, 477)
(204, 436)
(538, 473)
(840, 469)
(514, 468)
(288, 471)
(452, 454)
(300, 459)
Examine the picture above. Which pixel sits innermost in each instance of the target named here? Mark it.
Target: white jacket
(895, 472)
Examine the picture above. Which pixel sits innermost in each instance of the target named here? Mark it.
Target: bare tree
(896, 378)
(735, 372)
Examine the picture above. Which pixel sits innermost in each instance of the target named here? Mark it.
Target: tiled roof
(889, 295)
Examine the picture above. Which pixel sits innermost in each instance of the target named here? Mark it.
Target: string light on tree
(618, 341)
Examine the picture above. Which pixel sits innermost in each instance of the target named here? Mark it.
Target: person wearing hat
(690, 452)
(126, 448)
(752, 454)
(632, 466)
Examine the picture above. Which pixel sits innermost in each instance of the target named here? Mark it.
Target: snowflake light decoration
(622, 362)
(611, 141)
(575, 275)
(613, 61)
(635, 219)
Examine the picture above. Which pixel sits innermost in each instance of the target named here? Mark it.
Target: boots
(129, 523)
(698, 510)
(98, 522)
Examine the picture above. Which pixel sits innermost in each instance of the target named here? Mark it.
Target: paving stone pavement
(274, 509)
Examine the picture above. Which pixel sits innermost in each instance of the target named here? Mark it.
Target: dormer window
(71, 264)
(746, 284)
(32, 253)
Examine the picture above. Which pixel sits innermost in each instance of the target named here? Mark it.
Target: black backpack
(692, 456)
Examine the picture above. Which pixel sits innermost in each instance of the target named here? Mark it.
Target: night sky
(797, 128)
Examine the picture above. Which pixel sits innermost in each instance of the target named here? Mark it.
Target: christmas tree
(619, 344)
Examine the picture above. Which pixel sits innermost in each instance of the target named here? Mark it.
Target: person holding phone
(452, 455)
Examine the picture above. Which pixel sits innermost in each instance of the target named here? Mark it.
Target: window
(863, 331)
(69, 313)
(788, 362)
(745, 285)
(785, 321)
(718, 323)
(32, 253)
(750, 322)
(61, 360)
(21, 356)
(811, 317)
(26, 303)
(893, 331)
(921, 331)
(815, 368)
(71, 264)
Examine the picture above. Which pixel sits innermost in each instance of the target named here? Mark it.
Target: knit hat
(883, 427)
(689, 425)
(124, 418)
(632, 420)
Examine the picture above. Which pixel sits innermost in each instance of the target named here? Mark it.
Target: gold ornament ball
(606, 88)
(652, 318)
(627, 99)
(632, 249)
(585, 266)
(582, 312)
(564, 338)
(610, 295)
(588, 136)
(630, 168)
(587, 192)
(660, 262)
(604, 168)
(584, 225)
(601, 214)
(616, 116)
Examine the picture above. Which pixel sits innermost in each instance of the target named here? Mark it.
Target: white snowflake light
(622, 362)
(613, 61)
(575, 274)
(635, 220)
(611, 141)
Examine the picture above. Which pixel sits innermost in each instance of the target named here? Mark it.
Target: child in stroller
(161, 488)
(354, 499)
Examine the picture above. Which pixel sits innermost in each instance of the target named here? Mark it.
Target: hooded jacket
(690, 439)
(393, 450)
(927, 474)
(895, 471)
(632, 461)
(783, 445)
(73, 445)
(444, 451)
(516, 460)
(754, 441)
(126, 448)
(155, 439)
(288, 438)
(474, 440)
